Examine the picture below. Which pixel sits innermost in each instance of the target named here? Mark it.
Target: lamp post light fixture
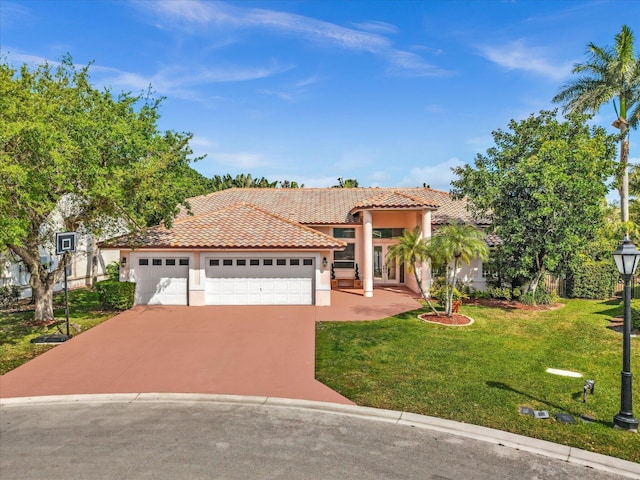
(626, 257)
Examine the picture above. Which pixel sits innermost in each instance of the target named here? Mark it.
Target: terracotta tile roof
(493, 240)
(236, 226)
(281, 217)
(318, 206)
(395, 199)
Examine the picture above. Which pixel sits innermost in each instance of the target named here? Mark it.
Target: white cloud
(187, 14)
(291, 92)
(378, 178)
(356, 159)
(481, 143)
(12, 14)
(437, 176)
(203, 142)
(190, 11)
(376, 26)
(17, 58)
(519, 56)
(241, 160)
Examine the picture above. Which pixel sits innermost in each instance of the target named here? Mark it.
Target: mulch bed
(511, 304)
(457, 319)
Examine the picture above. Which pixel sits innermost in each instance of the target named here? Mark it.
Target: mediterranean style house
(283, 246)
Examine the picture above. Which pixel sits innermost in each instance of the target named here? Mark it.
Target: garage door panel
(160, 284)
(261, 284)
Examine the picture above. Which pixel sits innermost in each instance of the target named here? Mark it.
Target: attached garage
(259, 281)
(160, 280)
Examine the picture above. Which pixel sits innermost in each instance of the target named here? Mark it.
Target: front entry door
(383, 274)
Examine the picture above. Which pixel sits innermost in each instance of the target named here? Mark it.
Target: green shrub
(542, 297)
(593, 279)
(116, 295)
(635, 314)
(439, 291)
(473, 293)
(502, 293)
(112, 271)
(9, 295)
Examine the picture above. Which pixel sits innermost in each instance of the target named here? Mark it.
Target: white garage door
(161, 281)
(259, 281)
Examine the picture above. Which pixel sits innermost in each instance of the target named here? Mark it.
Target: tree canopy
(542, 186)
(346, 183)
(73, 157)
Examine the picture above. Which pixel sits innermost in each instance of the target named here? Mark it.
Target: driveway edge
(498, 437)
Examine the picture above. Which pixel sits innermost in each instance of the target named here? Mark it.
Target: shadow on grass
(615, 311)
(13, 327)
(560, 409)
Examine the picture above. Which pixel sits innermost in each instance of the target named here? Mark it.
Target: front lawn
(482, 373)
(16, 332)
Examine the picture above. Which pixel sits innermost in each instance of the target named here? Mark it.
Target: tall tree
(247, 181)
(346, 183)
(413, 251)
(73, 157)
(542, 186)
(609, 75)
(289, 184)
(450, 247)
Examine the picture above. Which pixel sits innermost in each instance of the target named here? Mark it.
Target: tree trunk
(41, 282)
(451, 290)
(624, 181)
(533, 286)
(94, 261)
(42, 293)
(424, 295)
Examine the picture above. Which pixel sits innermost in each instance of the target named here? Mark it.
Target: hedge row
(116, 295)
(593, 279)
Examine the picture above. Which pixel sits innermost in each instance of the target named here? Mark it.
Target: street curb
(519, 442)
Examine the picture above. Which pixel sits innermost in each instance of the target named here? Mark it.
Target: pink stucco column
(367, 241)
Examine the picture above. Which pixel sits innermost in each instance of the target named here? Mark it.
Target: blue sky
(389, 93)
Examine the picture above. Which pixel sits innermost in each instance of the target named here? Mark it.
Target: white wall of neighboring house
(80, 266)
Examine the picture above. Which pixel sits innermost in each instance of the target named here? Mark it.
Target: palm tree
(452, 245)
(413, 251)
(609, 75)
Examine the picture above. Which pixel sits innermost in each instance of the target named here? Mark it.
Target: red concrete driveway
(250, 350)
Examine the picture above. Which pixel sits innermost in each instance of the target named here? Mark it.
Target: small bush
(502, 293)
(116, 295)
(473, 293)
(439, 292)
(9, 295)
(542, 297)
(112, 271)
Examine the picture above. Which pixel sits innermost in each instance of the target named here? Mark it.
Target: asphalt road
(209, 440)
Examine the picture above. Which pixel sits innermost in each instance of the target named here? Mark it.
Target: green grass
(480, 374)
(16, 333)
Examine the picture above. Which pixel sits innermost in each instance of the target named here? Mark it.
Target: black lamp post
(626, 257)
